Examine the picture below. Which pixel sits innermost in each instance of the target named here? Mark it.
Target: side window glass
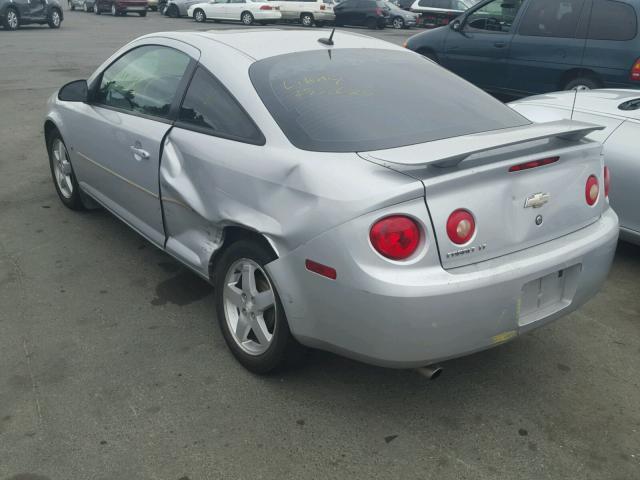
(144, 80)
(495, 17)
(611, 20)
(552, 18)
(210, 108)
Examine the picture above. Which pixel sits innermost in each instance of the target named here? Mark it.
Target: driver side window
(494, 17)
(144, 80)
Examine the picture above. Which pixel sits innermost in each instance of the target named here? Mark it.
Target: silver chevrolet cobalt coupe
(340, 193)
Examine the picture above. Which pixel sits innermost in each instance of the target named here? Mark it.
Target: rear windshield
(348, 100)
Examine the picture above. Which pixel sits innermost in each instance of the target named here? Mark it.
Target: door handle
(139, 153)
(500, 44)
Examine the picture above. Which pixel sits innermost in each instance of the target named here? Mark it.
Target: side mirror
(456, 25)
(76, 91)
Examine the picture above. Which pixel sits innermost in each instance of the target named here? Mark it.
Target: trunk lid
(472, 173)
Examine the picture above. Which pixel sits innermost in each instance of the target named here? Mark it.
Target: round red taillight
(592, 190)
(396, 237)
(607, 181)
(461, 226)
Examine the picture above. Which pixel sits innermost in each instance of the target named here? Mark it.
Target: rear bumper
(413, 320)
(272, 15)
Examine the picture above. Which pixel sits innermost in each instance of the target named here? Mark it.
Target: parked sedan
(14, 13)
(278, 166)
(399, 18)
(366, 13)
(85, 5)
(307, 12)
(524, 47)
(245, 11)
(121, 7)
(619, 112)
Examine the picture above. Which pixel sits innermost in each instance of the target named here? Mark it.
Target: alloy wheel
(12, 19)
(398, 23)
(55, 18)
(247, 19)
(62, 168)
(249, 306)
(307, 21)
(199, 16)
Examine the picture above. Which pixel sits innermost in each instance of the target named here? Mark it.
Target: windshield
(348, 100)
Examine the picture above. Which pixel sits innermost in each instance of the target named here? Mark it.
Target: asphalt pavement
(112, 366)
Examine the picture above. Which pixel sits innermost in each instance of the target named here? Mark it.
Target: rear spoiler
(450, 152)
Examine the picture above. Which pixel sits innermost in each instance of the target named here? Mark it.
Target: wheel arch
(233, 234)
(49, 127)
(577, 72)
(11, 6)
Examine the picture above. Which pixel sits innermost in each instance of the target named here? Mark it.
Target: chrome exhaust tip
(431, 371)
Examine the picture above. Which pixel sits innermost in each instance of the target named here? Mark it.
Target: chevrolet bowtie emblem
(537, 200)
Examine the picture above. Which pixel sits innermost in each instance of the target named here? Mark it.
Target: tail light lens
(266, 7)
(396, 237)
(461, 226)
(534, 164)
(634, 75)
(607, 181)
(592, 190)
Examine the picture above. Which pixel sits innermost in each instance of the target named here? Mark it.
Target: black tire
(306, 19)
(199, 15)
(582, 83)
(246, 18)
(319, 24)
(371, 23)
(55, 19)
(74, 201)
(283, 348)
(142, 14)
(398, 23)
(11, 19)
(72, 7)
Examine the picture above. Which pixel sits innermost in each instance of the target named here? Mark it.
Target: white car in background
(307, 12)
(245, 11)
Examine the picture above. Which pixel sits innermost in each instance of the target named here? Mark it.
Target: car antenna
(328, 41)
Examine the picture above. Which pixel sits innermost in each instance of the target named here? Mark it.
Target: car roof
(260, 44)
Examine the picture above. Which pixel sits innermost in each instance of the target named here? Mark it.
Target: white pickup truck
(307, 12)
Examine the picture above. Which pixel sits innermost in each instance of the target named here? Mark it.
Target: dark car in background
(399, 18)
(121, 7)
(366, 13)
(14, 13)
(523, 47)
